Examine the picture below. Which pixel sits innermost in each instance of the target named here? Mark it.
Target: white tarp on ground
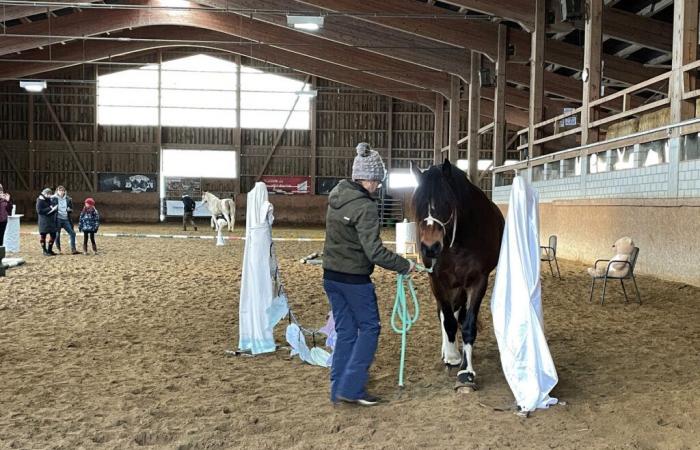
(258, 280)
(516, 304)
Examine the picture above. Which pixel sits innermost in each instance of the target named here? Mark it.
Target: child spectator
(88, 224)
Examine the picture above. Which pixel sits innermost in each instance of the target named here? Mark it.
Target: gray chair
(605, 277)
(549, 254)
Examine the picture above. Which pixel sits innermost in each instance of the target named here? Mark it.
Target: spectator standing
(46, 209)
(65, 208)
(88, 224)
(5, 211)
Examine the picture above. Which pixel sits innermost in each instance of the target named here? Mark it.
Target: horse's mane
(453, 188)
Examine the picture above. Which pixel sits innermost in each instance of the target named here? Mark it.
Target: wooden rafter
(475, 35)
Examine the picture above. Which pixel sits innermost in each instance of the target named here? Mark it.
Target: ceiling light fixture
(307, 23)
(309, 93)
(33, 86)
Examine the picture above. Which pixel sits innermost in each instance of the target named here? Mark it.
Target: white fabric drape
(516, 304)
(258, 280)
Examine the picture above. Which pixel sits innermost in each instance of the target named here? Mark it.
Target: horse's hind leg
(475, 294)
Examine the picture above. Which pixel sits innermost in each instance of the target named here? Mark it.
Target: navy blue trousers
(357, 326)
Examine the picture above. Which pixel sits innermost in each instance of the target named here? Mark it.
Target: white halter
(430, 221)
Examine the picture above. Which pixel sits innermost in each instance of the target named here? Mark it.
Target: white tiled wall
(667, 180)
(647, 182)
(563, 188)
(689, 179)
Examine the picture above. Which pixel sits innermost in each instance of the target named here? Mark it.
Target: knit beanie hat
(368, 164)
(90, 201)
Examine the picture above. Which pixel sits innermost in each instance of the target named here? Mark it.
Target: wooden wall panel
(345, 117)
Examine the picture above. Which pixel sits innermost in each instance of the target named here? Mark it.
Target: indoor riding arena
(172, 177)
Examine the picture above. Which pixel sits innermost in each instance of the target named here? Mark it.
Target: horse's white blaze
(467, 349)
(450, 354)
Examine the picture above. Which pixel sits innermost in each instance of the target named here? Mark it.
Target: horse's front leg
(450, 354)
(468, 321)
(213, 223)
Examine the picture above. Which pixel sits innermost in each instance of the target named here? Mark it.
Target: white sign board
(176, 208)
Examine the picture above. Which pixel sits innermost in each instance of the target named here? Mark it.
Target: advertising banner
(286, 185)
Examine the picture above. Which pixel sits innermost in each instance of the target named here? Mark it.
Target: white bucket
(406, 237)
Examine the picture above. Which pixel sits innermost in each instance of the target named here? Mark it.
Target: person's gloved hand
(411, 267)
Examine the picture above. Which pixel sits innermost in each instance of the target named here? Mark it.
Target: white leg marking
(450, 354)
(467, 349)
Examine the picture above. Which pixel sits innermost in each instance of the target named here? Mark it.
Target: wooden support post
(454, 119)
(237, 135)
(592, 50)
(536, 78)
(159, 130)
(685, 44)
(438, 135)
(389, 131)
(313, 139)
(72, 151)
(499, 101)
(30, 138)
(474, 118)
(95, 132)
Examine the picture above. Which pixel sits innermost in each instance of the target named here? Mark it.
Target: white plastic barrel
(405, 237)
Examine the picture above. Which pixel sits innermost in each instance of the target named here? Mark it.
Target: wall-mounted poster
(120, 182)
(176, 186)
(286, 185)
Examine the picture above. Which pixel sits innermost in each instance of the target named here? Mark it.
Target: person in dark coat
(46, 209)
(351, 250)
(187, 216)
(5, 211)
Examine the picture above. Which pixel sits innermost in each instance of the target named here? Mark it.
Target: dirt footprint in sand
(145, 438)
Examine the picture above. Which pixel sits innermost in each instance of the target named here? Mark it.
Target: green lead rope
(401, 318)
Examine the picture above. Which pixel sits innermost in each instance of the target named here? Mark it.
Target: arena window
(200, 91)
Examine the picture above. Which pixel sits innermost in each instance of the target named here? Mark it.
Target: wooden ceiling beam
(475, 34)
(94, 22)
(353, 32)
(619, 24)
(18, 12)
(97, 50)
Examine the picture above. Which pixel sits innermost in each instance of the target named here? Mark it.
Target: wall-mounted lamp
(33, 86)
(308, 23)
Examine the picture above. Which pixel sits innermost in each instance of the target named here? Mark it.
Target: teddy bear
(623, 251)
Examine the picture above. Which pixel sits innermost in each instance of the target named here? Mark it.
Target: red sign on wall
(287, 185)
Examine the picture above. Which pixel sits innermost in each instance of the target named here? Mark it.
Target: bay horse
(225, 207)
(460, 233)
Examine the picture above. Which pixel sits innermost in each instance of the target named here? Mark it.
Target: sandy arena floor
(126, 350)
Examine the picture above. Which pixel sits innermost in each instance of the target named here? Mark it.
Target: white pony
(216, 206)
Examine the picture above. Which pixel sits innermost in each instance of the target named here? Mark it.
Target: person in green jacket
(352, 249)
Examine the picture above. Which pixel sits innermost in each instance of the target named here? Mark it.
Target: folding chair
(549, 254)
(605, 277)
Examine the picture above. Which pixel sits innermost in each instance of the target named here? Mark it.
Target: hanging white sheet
(258, 287)
(516, 304)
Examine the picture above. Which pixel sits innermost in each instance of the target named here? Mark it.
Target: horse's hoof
(465, 388)
(466, 377)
